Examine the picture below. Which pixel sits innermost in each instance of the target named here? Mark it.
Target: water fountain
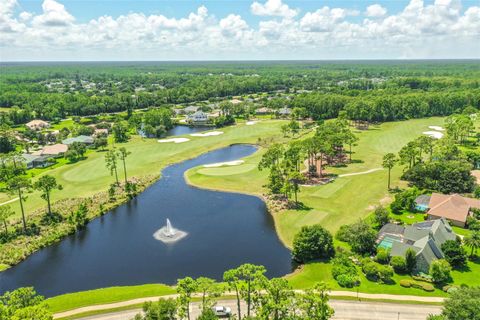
(168, 234)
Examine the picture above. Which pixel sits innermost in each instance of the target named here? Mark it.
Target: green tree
(463, 304)
(454, 253)
(123, 154)
(20, 185)
(410, 260)
(111, 163)
(185, 288)
(75, 151)
(245, 281)
(120, 131)
(163, 309)
(362, 238)
(210, 290)
(312, 242)
(473, 241)
(440, 271)
(314, 303)
(207, 314)
(276, 299)
(46, 184)
(5, 213)
(24, 304)
(100, 143)
(389, 161)
(381, 216)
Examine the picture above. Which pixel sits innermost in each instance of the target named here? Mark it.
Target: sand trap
(221, 164)
(207, 134)
(436, 128)
(174, 140)
(183, 121)
(434, 134)
(251, 123)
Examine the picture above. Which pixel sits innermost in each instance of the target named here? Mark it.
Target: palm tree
(389, 161)
(473, 241)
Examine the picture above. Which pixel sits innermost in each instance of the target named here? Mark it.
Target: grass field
(148, 157)
(106, 295)
(340, 202)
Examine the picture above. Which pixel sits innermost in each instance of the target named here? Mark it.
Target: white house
(198, 117)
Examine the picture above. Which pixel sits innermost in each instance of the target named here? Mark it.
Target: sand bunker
(221, 164)
(174, 140)
(434, 134)
(251, 123)
(436, 128)
(207, 134)
(183, 121)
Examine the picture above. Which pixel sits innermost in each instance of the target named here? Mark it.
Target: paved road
(344, 310)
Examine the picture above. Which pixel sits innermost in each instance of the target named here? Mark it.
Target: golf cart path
(359, 173)
(332, 294)
(9, 201)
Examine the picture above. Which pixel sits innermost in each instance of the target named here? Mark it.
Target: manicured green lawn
(106, 295)
(322, 271)
(148, 157)
(343, 201)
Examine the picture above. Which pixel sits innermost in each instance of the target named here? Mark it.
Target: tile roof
(453, 207)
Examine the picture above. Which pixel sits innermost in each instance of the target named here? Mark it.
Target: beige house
(55, 150)
(454, 208)
(37, 124)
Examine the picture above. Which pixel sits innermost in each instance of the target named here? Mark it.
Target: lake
(224, 231)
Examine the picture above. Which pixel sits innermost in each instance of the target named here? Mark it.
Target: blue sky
(247, 29)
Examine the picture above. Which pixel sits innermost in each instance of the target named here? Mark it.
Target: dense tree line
(371, 91)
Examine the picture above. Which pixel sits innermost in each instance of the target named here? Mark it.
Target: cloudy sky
(238, 30)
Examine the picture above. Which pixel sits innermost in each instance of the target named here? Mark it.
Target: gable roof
(53, 150)
(81, 139)
(425, 238)
(453, 207)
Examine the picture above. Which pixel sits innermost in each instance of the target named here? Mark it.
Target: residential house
(81, 139)
(263, 110)
(37, 124)
(425, 238)
(284, 112)
(36, 161)
(453, 207)
(55, 150)
(198, 117)
(191, 109)
(100, 133)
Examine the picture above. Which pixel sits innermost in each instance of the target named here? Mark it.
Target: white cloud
(54, 14)
(322, 20)
(273, 8)
(375, 11)
(442, 29)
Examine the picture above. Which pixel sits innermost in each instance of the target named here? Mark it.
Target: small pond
(224, 231)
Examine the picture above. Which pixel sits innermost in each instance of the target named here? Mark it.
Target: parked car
(221, 311)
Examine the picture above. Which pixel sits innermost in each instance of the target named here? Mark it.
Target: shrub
(383, 256)
(371, 270)
(348, 280)
(380, 216)
(312, 242)
(405, 283)
(385, 273)
(343, 234)
(399, 264)
(345, 271)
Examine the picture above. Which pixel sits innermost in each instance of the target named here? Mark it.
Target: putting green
(227, 170)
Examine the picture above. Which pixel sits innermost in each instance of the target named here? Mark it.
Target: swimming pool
(386, 243)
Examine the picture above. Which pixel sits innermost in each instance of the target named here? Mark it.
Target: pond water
(179, 130)
(224, 231)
